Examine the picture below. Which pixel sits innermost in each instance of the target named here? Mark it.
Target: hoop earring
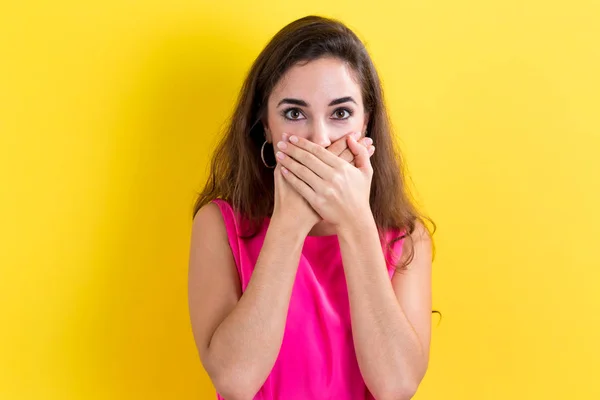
(262, 156)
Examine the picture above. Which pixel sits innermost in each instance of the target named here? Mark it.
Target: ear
(268, 136)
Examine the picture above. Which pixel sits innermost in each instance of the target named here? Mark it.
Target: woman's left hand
(338, 191)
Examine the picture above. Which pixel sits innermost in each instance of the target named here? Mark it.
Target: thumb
(361, 154)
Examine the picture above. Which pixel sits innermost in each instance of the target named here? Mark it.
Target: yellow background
(109, 111)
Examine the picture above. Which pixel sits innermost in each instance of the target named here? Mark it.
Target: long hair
(237, 173)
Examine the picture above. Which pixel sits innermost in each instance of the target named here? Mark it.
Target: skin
(317, 191)
(317, 85)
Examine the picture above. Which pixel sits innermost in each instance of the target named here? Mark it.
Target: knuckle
(311, 158)
(347, 156)
(334, 148)
(300, 157)
(329, 193)
(302, 171)
(336, 180)
(317, 150)
(345, 169)
(320, 201)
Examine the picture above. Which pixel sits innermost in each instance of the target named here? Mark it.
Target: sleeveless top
(317, 359)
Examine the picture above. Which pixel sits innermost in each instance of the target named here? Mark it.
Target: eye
(293, 114)
(342, 113)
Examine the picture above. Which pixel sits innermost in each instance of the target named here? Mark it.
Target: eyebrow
(342, 100)
(296, 102)
(302, 103)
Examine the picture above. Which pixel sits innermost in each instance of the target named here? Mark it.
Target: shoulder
(209, 213)
(401, 237)
(210, 250)
(417, 244)
(208, 221)
(421, 234)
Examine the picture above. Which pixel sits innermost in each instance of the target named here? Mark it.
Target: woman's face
(320, 101)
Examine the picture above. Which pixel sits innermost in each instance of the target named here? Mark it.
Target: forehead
(322, 79)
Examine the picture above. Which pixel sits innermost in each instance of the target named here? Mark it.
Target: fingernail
(280, 155)
(282, 145)
(285, 136)
(293, 139)
(372, 150)
(357, 135)
(369, 141)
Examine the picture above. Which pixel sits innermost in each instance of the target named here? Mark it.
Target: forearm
(389, 353)
(245, 346)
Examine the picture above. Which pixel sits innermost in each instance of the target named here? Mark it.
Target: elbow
(232, 391)
(235, 394)
(406, 393)
(398, 391)
(235, 387)
(404, 388)
(233, 381)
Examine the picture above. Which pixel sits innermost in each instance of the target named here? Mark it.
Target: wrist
(288, 227)
(358, 225)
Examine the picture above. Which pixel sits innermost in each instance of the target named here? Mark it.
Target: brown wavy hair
(237, 174)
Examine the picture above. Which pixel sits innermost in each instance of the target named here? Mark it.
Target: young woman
(310, 269)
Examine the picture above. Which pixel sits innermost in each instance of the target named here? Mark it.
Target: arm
(239, 336)
(391, 324)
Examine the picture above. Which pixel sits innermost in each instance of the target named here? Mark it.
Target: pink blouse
(317, 358)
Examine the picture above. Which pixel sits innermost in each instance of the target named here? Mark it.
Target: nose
(320, 134)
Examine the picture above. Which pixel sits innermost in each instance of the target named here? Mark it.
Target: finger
(349, 157)
(307, 158)
(341, 145)
(361, 155)
(278, 178)
(338, 146)
(301, 171)
(371, 150)
(316, 151)
(300, 186)
(367, 141)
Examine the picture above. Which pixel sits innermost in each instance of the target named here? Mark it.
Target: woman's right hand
(296, 212)
(290, 208)
(340, 148)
